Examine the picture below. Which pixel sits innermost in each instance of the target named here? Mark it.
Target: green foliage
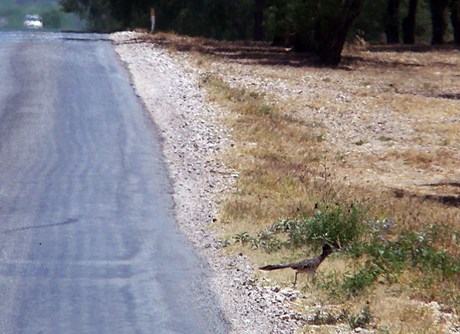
(337, 225)
(319, 26)
(52, 18)
(12, 15)
(379, 251)
(362, 320)
(386, 258)
(265, 240)
(415, 249)
(370, 22)
(218, 19)
(285, 21)
(360, 281)
(96, 13)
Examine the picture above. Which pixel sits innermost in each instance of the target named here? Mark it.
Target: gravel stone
(192, 138)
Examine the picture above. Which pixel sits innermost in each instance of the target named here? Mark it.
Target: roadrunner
(304, 266)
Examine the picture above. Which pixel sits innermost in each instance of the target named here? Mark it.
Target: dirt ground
(391, 118)
(391, 114)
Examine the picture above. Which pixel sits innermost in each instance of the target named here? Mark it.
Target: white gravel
(192, 136)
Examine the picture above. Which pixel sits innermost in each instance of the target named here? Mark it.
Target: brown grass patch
(425, 160)
(404, 315)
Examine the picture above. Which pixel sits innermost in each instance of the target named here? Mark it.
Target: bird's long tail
(275, 266)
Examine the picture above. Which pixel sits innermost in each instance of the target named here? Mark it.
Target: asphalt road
(88, 238)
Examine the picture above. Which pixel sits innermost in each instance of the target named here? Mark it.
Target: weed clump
(336, 225)
(379, 250)
(361, 320)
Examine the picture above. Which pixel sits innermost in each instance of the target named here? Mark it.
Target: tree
(408, 23)
(220, 19)
(122, 10)
(259, 31)
(371, 22)
(52, 18)
(392, 22)
(320, 26)
(96, 13)
(438, 19)
(455, 19)
(134, 13)
(332, 29)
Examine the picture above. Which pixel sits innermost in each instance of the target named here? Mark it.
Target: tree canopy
(13, 13)
(319, 26)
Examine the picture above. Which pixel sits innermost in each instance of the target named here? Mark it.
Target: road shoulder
(192, 137)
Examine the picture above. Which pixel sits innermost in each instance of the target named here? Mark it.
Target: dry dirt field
(387, 119)
(381, 129)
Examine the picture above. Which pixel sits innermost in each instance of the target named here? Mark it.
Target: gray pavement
(88, 238)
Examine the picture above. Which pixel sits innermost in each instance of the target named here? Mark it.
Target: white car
(33, 22)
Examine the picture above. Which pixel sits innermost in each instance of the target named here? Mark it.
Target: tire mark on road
(26, 228)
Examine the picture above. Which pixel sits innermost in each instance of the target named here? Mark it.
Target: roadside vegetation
(319, 27)
(305, 181)
(13, 13)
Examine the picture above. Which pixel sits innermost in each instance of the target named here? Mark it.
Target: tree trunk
(392, 22)
(259, 31)
(332, 32)
(455, 19)
(408, 23)
(438, 20)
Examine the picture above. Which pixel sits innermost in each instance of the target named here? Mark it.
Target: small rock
(275, 288)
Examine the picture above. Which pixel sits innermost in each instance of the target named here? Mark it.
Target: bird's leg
(295, 279)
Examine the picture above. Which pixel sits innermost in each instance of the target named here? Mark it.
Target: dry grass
(381, 130)
(403, 315)
(273, 156)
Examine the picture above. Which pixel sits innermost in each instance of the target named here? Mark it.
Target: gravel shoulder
(192, 138)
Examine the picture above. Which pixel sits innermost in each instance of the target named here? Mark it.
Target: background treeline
(275, 20)
(13, 12)
(307, 25)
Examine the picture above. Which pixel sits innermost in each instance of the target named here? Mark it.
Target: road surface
(88, 241)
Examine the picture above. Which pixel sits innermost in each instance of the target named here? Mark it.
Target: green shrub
(360, 281)
(379, 250)
(336, 225)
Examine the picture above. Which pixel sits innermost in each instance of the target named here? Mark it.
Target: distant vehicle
(33, 22)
